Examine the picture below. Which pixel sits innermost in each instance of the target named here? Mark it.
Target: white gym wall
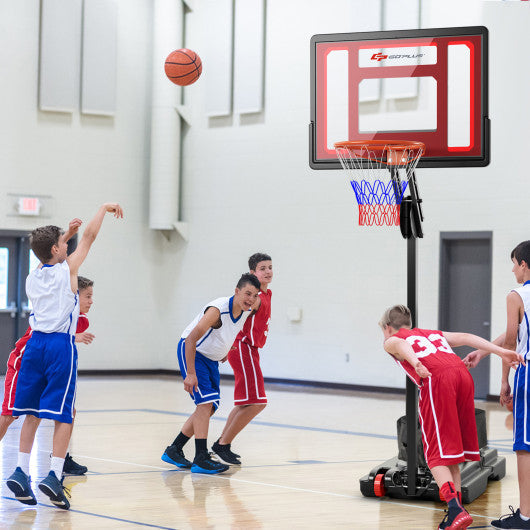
(247, 187)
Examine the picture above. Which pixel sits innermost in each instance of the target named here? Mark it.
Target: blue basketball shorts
(208, 377)
(521, 410)
(48, 376)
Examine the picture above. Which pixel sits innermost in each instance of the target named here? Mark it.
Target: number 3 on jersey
(424, 346)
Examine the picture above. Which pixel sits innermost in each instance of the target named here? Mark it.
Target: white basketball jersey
(523, 333)
(55, 306)
(216, 343)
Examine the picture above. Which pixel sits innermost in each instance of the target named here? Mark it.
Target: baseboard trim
(268, 380)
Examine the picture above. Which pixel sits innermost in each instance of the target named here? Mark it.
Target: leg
(523, 472)
(27, 433)
(5, 422)
(61, 438)
(238, 419)
(201, 420)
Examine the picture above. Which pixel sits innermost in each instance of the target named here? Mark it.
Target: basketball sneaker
(52, 487)
(512, 520)
(202, 463)
(174, 455)
(456, 517)
(71, 467)
(225, 454)
(20, 484)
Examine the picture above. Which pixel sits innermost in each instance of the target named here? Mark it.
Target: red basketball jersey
(431, 348)
(256, 327)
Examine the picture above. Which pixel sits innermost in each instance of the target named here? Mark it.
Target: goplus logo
(381, 56)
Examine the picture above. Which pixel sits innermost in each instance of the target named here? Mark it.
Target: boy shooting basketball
(446, 405)
(205, 342)
(48, 374)
(15, 359)
(249, 388)
(517, 336)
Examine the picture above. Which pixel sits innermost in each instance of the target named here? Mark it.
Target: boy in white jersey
(517, 336)
(48, 374)
(206, 341)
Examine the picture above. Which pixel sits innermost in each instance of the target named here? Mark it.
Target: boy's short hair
(397, 317)
(84, 283)
(256, 258)
(248, 278)
(522, 253)
(42, 239)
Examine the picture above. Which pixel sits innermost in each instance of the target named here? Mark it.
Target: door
(465, 293)
(14, 310)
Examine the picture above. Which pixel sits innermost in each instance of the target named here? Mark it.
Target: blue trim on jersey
(204, 338)
(527, 334)
(46, 265)
(231, 309)
(526, 283)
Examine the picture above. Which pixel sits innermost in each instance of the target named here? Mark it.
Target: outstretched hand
(472, 359)
(74, 225)
(115, 208)
(513, 358)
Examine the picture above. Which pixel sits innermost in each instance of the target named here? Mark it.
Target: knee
(260, 408)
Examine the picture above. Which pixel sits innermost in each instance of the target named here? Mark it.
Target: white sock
(23, 462)
(56, 466)
(523, 517)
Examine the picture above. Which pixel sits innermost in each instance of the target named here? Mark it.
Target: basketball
(509, 404)
(183, 67)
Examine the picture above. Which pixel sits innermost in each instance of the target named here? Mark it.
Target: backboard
(426, 85)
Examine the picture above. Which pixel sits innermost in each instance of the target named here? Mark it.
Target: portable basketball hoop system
(404, 99)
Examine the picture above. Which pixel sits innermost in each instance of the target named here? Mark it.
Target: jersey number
(424, 346)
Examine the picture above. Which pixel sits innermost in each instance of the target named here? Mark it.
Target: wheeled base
(390, 478)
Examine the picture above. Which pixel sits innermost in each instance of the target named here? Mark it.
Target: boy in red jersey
(249, 390)
(446, 404)
(15, 358)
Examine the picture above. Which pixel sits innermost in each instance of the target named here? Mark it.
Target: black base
(475, 476)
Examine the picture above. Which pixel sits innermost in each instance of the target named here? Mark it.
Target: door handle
(11, 309)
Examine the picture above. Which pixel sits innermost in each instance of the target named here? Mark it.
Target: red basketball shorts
(249, 387)
(10, 383)
(447, 416)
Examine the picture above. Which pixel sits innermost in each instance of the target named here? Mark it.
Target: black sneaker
(512, 520)
(54, 489)
(174, 455)
(225, 454)
(202, 463)
(456, 517)
(20, 484)
(71, 467)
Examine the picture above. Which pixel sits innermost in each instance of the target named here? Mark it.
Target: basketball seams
(183, 67)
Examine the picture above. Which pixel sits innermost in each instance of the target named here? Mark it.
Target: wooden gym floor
(302, 460)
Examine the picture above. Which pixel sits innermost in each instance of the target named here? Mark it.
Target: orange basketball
(183, 67)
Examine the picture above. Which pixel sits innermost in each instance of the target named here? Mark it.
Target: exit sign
(29, 206)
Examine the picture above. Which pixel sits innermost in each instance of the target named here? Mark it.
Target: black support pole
(412, 391)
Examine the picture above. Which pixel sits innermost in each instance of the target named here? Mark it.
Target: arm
(210, 317)
(514, 310)
(402, 351)
(73, 227)
(473, 358)
(77, 257)
(468, 339)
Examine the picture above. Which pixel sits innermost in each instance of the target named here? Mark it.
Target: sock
(449, 492)
(56, 466)
(23, 462)
(200, 446)
(180, 440)
(523, 517)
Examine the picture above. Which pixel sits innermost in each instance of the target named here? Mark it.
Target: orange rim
(381, 144)
(379, 486)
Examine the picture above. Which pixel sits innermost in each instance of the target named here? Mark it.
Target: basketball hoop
(380, 171)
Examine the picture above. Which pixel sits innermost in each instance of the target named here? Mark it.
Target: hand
(505, 394)
(85, 337)
(74, 225)
(512, 358)
(421, 370)
(191, 383)
(115, 208)
(472, 359)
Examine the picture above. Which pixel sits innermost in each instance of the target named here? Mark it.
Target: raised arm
(209, 319)
(468, 339)
(73, 227)
(76, 259)
(402, 351)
